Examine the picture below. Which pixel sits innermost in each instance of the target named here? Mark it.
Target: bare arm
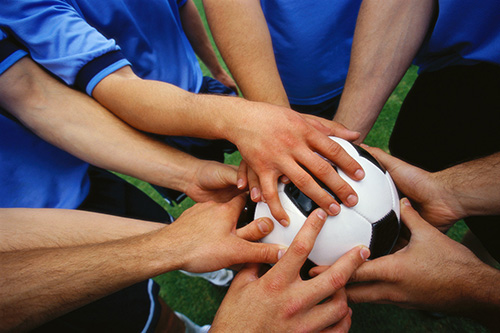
(272, 139)
(81, 126)
(242, 36)
(198, 37)
(387, 37)
(38, 282)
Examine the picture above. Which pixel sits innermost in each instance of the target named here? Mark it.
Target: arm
(272, 139)
(444, 197)
(387, 37)
(37, 282)
(455, 281)
(81, 126)
(280, 301)
(249, 56)
(198, 37)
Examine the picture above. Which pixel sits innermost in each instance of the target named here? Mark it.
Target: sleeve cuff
(93, 72)
(10, 53)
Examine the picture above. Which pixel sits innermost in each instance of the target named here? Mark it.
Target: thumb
(411, 218)
(227, 175)
(405, 176)
(249, 273)
(261, 253)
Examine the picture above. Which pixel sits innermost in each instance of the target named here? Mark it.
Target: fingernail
(406, 202)
(352, 200)
(254, 193)
(313, 274)
(359, 174)
(350, 312)
(321, 214)
(239, 184)
(284, 223)
(281, 253)
(263, 226)
(285, 179)
(364, 145)
(365, 253)
(334, 208)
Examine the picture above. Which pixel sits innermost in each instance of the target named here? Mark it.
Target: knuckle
(337, 280)
(302, 179)
(292, 307)
(334, 148)
(301, 248)
(324, 169)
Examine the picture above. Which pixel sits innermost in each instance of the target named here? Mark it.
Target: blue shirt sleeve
(10, 52)
(58, 38)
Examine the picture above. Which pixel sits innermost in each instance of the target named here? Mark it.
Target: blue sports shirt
(83, 41)
(33, 173)
(312, 45)
(465, 33)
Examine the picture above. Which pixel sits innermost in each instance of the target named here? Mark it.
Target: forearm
(162, 108)
(387, 37)
(198, 37)
(250, 59)
(473, 186)
(79, 125)
(480, 299)
(62, 228)
(38, 285)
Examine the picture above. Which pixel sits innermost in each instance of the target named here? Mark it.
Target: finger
(255, 230)
(337, 276)
(270, 195)
(342, 326)
(377, 292)
(317, 270)
(332, 128)
(405, 176)
(411, 218)
(254, 186)
(308, 185)
(246, 275)
(329, 312)
(236, 206)
(242, 181)
(389, 162)
(324, 171)
(259, 253)
(302, 244)
(335, 153)
(380, 269)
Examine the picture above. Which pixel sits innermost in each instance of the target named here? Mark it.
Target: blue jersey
(465, 33)
(33, 173)
(82, 41)
(312, 45)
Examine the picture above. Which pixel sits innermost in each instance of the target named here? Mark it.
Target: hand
(205, 238)
(212, 181)
(280, 301)
(224, 78)
(427, 192)
(276, 141)
(432, 272)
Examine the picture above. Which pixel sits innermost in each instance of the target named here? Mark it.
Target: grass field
(199, 300)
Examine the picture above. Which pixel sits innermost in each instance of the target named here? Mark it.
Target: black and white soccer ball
(373, 222)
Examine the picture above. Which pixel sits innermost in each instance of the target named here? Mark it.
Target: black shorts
(451, 116)
(133, 309)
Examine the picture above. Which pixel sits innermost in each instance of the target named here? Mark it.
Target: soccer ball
(373, 222)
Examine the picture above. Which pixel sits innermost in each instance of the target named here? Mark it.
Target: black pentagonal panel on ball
(384, 235)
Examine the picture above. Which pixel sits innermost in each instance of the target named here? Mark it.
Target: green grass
(199, 300)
